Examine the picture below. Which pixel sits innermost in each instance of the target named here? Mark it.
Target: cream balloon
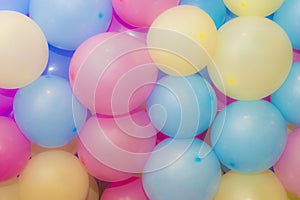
(9, 190)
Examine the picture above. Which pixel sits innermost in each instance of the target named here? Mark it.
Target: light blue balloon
(182, 107)
(287, 16)
(68, 23)
(287, 97)
(21, 6)
(47, 112)
(215, 8)
(249, 136)
(180, 169)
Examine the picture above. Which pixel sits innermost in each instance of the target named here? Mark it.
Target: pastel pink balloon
(112, 73)
(114, 149)
(141, 13)
(131, 189)
(287, 169)
(14, 149)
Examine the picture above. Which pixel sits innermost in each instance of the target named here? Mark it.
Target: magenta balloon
(6, 104)
(296, 56)
(8, 92)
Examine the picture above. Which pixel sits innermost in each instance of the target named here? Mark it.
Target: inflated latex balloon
(260, 186)
(112, 73)
(249, 136)
(131, 189)
(253, 7)
(14, 149)
(23, 50)
(67, 24)
(141, 13)
(287, 168)
(287, 97)
(246, 65)
(287, 16)
(48, 113)
(53, 175)
(182, 40)
(182, 106)
(15, 5)
(9, 190)
(181, 169)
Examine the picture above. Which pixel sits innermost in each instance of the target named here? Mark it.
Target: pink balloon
(287, 168)
(141, 13)
(14, 149)
(6, 104)
(112, 73)
(296, 57)
(131, 189)
(114, 149)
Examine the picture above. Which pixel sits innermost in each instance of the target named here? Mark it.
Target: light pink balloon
(287, 168)
(14, 149)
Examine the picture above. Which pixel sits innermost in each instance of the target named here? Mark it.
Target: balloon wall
(149, 100)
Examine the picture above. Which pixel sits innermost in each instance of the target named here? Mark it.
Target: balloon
(112, 73)
(141, 13)
(53, 175)
(238, 186)
(131, 189)
(287, 168)
(15, 5)
(181, 169)
(241, 67)
(23, 51)
(14, 149)
(48, 113)
(296, 56)
(215, 8)
(249, 136)
(5, 104)
(292, 196)
(114, 149)
(9, 190)
(182, 40)
(287, 16)
(67, 24)
(253, 7)
(94, 192)
(182, 107)
(287, 97)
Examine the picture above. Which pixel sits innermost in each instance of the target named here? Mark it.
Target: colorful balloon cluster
(149, 99)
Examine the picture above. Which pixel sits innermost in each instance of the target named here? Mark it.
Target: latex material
(15, 5)
(9, 190)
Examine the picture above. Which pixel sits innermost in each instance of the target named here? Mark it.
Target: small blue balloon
(68, 23)
(215, 8)
(180, 169)
(182, 107)
(287, 16)
(249, 136)
(287, 97)
(21, 6)
(47, 112)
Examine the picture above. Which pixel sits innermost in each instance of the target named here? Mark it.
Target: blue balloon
(68, 23)
(249, 136)
(21, 6)
(182, 107)
(180, 169)
(287, 16)
(215, 8)
(287, 97)
(47, 112)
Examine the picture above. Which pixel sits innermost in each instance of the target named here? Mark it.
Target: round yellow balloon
(23, 50)
(9, 190)
(182, 40)
(54, 175)
(252, 59)
(253, 7)
(261, 186)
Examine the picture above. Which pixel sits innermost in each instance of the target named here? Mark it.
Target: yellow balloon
(253, 7)
(94, 191)
(9, 190)
(23, 50)
(53, 175)
(182, 40)
(252, 59)
(260, 186)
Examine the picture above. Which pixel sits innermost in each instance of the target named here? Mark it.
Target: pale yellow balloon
(253, 7)
(23, 50)
(9, 190)
(252, 59)
(53, 175)
(182, 40)
(260, 186)
(94, 191)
